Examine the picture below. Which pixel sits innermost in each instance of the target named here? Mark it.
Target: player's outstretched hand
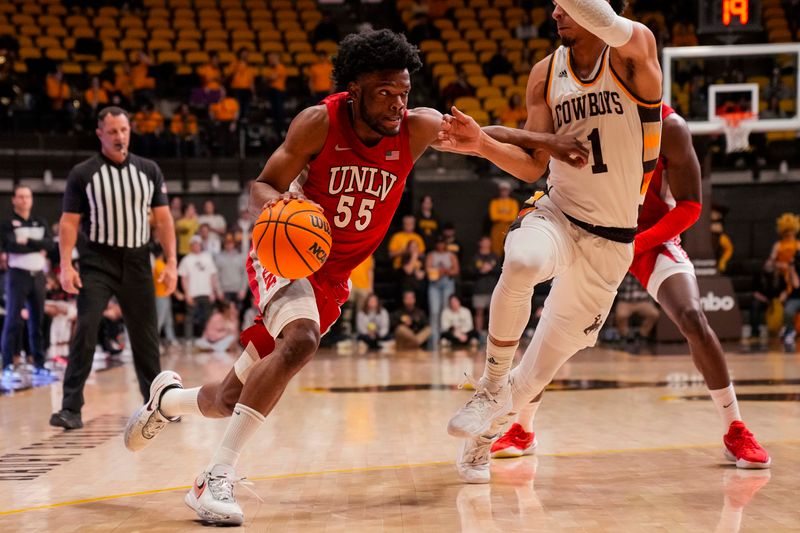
(289, 196)
(570, 150)
(460, 133)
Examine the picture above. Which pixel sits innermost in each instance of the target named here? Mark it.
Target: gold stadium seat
(305, 58)
(462, 13)
(477, 4)
(216, 34)
(493, 24)
(269, 47)
(480, 116)
(502, 80)
(216, 46)
(30, 53)
(432, 58)
(31, 8)
(298, 46)
(475, 34)
(131, 21)
(207, 24)
(7, 29)
(467, 24)
(779, 36)
(256, 4)
(538, 16)
(270, 35)
(136, 33)
(112, 56)
(487, 91)
(183, 70)
(243, 35)
(443, 24)
(163, 33)
(249, 45)
(180, 4)
(236, 24)
(131, 44)
(260, 25)
(491, 105)
(443, 69)
(467, 103)
(787, 105)
(71, 69)
(196, 57)
(187, 45)
(513, 44)
(55, 31)
(95, 68)
(227, 4)
(235, 14)
(183, 14)
(457, 46)
(451, 35)
(500, 34)
(47, 42)
(260, 14)
(109, 44)
(522, 80)
(30, 31)
(200, 4)
(49, 20)
(104, 22)
(209, 13)
(23, 19)
(464, 57)
(514, 89)
(256, 58)
(539, 44)
(159, 12)
(484, 46)
(153, 3)
(178, 25)
(775, 12)
(68, 43)
(489, 13)
(776, 24)
(430, 45)
(281, 4)
(288, 25)
(154, 23)
(227, 57)
(56, 54)
(477, 80)
(329, 47)
(515, 13)
(472, 69)
(168, 56)
(7, 8)
(295, 35)
(306, 5)
(446, 80)
(109, 33)
(156, 45)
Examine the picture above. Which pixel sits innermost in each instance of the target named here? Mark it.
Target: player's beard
(569, 42)
(375, 124)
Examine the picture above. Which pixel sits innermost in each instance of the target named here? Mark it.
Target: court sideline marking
(361, 469)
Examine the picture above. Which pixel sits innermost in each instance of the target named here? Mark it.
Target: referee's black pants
(125, 273)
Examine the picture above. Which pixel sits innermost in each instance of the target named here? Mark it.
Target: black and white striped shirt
(113, 199)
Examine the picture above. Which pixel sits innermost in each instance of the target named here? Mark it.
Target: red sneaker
(742, 448)
(515, 443)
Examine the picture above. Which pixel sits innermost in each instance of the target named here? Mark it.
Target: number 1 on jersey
(597, 153)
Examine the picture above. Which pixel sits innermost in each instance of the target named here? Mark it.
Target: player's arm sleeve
(599, 18)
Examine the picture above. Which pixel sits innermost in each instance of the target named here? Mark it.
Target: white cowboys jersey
(624, 133)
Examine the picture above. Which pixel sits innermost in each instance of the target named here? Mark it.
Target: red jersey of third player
(658, 200)
(358, 186)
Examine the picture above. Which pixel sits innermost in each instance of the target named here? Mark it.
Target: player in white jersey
(604, 87)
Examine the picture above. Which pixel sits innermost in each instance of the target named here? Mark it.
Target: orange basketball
(293, 239)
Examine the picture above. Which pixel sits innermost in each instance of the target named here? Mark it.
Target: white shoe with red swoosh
(212, 497)
(148, 421)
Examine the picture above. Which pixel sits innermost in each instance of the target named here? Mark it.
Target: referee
(108, 198)
(27, 240)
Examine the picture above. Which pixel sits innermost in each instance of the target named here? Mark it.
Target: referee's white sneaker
(148, 420)
(212, 498)
(476, 417)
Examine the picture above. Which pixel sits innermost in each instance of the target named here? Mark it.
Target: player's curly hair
(372, 51)
(788, 222)
(619, 6)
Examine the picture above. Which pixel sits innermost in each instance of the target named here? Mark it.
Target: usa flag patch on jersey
(393, 155)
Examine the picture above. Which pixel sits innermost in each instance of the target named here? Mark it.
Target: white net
(737, 132)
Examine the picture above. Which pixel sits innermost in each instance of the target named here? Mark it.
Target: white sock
(526, 415)
(179, 402)
(498, 364)
(244, 422)
(727, 406)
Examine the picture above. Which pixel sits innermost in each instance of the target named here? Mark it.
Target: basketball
(292, 239)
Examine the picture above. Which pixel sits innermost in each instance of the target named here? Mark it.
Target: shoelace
(748, 440)
(479, 453)
(222, 487)
(480, 391)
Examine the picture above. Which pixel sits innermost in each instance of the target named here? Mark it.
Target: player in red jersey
(671, 206)
(352, 154)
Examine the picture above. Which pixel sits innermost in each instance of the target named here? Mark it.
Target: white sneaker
(148, 420)
(472, 463)
(212, 498)
(476, 417)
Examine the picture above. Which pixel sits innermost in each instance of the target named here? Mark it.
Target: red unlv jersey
(658, 201)
(358, 186)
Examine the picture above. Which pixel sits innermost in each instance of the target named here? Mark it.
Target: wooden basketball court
(358, 443)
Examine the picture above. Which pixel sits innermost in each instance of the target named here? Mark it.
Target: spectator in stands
(784, 250)
(427, 221)
(722, 244)
(144, 85)
(123, 84)
(231, 272)
(514, 114)
(58, 95)
(184, 128)
(176, 207)
(96, 97)
(526, 29)
(457, 326)
(326, 30)
(498, 64)
(456, 89)
(198, 274)
(503, 210)
(485, 266)
(210, 241)
(244, 226)
(684, 34)
(423, 29)
(320, 82)
(410, 324)
(163, 298)
(412, 271)
(399, 241)
(225, 114)
(450, 239)
(442, 269)
(362, 281)
(632, 299)
(791, 306)
(276, 82)
(148, 125)
(242, 81)
(222, 329)
(185, 228)
(211, 80)
(770, 288)
(372, 324)
(215, 221)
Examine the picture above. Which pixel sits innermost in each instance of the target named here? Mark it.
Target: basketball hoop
(737, 130)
